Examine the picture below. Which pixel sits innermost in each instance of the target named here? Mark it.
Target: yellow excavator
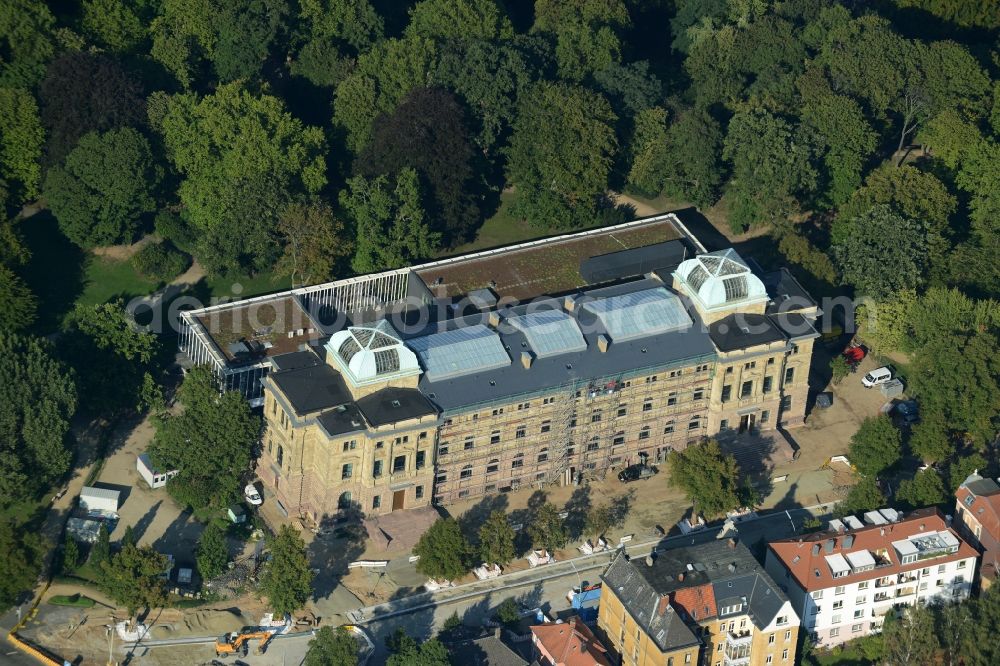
(236, 641)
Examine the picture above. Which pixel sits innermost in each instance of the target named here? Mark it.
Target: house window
(729, 370)
(495, 437)
(766, 387)
(466, 472)
(463, 494)
(618, 440)
(855, 628)
(644, 433)
(961, 565)
(698, 395)
(834, 632)
(769, 659)
(520, 432)
(789, 375)
(858, 614)
(470, 442)
(351, 445)
(750, 365)
(693, 425)
(622, 411)
(647, 406)
(421, 455)
(770, 639)
(837, 605)
(669, 428)
(782, 619)
(765, 416)
(746, 389)
(595, 417)
(377, 469)
(420, 492)
(543, 455)
(347, 471)
(518, 461)
(786, 402)
(493, 466)
(593, 446)
(863, 585)
(398, 464)
(724, 424)
(727, 391)
(379, 445)
(546, 426)
(281, 455)
(770, 361)
(441, 477)
(788, 635)
(671, 400)
(784, 654)
(442, 449)
(376, 501)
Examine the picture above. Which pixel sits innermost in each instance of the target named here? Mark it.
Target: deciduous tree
(875, 446)
(709, 478)
(459, 19)
(560, 154)
(26, 28)
(21, 553)
(315, 242)
(863, 496)
(20, 305)
(390, 222)
(106, 185)
(21, 140)
(133, 577)
(335, 32)
(496, 539)
(910, 638)
(881, 238)
(37, 402)
(83, 93)
(212, 553)
(100, 552)
(287, 578)
(210, 442)
(332, 647)
(444, 553)
(587, 33)
(246, 31)
(119, 25)
(428, 133)
(924, 489)
(547, 529)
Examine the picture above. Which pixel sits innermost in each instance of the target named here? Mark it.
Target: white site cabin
(99, 500)
(155, 479)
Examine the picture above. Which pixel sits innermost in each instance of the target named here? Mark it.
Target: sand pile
(212, 622)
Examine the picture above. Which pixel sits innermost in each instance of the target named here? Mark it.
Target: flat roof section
(546, 268)
(664, 257)
(392, 405)
(247, 332)
(311, 388)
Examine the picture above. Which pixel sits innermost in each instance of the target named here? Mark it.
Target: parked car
(907, 412)
(636, 472)
(877, 376)
(252, 496)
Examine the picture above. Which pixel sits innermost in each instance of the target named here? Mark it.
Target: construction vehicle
(239, 641)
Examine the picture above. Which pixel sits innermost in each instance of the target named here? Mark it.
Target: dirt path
(122, 252)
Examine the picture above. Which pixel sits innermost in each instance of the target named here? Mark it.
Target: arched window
(345, 500)
(466, 472)
(492, 466)
(543, 455)
(518, 461)
(281, 455)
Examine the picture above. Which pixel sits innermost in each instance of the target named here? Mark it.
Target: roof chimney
(603, 343)
(680, 577)
(649, 560)
(494, 318)
(732, 543)
(569, 303)
(661, 607)
(526, 359)
(732, 567)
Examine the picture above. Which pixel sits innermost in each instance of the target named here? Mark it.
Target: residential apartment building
(844, 580)
(710, 603)
(977, 518)
(525, 379)
(569, 643)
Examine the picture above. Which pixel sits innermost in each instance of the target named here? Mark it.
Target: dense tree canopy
(332, 647)
(443, 550)
(37, 402)
(26, 28)
(287, 577)
(560, 154)
(134, 578)
(21, 141)
(709, 478)
(428, 133)
(875, 446)
(104, 188)
(210, 443)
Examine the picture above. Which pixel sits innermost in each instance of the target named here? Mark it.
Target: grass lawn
(846, 657)
(501, 229)
(262, 283)
(108, 279)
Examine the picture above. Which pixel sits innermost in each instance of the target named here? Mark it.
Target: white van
(877, 376)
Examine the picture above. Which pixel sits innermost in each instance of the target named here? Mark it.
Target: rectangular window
(442, 450)
(463, 494)
(858, 614)
(784, 654)
(726, 392)
(495, 437)
(723, 424)
(595, 417)
(786, 402)
(835, 632)
(789, 375)
(546, 426)
(765, 416)
(542, 457)
(398, 464)
(470, 442)
(441, 477)
(961, 565)
(855, 628)
(746, 389)
(766, 386)
(671, 400)
(647, 406)
(376, 501)
(729, 370)
(863, 585)
(622, 411)
(749, 366)
(379, 445)
(520, 432)
(347, 471)
(644, 433)
(492, 467)
(377, 469)
(698, 395)
(516, 463)
(421, 456)
(839, 589)
(669, 428)
(618, 440)
(420, 492)
(465, 473)
(593, 446)
(788, 635)
(693, 425)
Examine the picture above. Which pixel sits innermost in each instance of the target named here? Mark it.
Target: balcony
(908, 577)
(742, 639)
(882, 596)
(886, 581)
(736, 661)
(906, 592)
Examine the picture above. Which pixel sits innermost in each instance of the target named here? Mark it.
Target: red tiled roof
(698, 602)
(984, 508)
(796, 554)
(571, 643)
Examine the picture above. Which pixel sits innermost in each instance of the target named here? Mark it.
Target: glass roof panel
(550, 332)
(640, 314)
(460, 352)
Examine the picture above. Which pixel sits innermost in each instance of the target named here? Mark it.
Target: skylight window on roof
(459, 352)
(386, 360)
(364, 335)
(348, 349)
(381, 341)
(736, 288)
(697, 277)
(550, 332)
(640, 314)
